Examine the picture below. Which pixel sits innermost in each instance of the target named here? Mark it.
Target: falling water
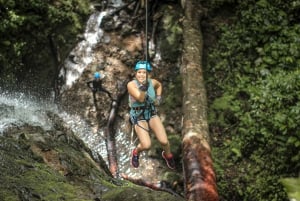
(17, 109)
(82, 54)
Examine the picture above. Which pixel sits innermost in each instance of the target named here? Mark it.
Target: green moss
(40, 181)
(136, 194)
(6, 195)
(44, 182)
(69, 174)
(24, 175)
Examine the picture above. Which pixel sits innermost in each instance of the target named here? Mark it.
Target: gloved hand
(158, 100)
(143, 87)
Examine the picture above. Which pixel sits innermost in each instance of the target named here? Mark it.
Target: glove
(143, 87)
(158, 100)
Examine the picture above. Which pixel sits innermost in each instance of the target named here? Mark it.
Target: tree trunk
(200, 182)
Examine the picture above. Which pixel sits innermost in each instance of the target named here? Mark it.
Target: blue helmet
(96, 75)
(143, 65)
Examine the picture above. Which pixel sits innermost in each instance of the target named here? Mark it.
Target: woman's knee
(164, 143)
(145, 145)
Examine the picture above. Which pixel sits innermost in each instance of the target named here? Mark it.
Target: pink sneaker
(169, 160)
(135, 159)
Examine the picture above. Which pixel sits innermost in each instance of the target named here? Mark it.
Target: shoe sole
(162, 154)
(134, 166)
(132, 163)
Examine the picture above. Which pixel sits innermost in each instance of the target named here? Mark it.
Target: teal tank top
(150, 92)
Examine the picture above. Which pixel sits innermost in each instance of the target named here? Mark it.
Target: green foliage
(255, 68)
(292, 186)
(27, 26)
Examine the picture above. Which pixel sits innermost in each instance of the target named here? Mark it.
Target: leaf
(292, 187)
(237, 152)
(262, 3)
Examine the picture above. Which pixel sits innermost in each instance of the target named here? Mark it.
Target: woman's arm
(134, 91)
(157, 86)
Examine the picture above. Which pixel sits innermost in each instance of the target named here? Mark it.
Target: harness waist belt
(138, 108)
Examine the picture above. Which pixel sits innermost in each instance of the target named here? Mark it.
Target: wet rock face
(55, 165)
(35, 163)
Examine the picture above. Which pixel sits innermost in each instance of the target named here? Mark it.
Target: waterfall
(17, 109)
(82, 55)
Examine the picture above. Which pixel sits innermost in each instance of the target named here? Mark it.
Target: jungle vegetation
(253, 84)
(33, 33)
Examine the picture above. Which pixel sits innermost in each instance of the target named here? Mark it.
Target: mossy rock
(56, 165)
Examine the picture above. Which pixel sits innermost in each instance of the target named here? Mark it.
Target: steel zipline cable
(146, 30)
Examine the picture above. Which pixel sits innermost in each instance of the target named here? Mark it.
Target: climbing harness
(145, 112)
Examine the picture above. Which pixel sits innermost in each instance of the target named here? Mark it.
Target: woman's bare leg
(160, 133)
(142, 132)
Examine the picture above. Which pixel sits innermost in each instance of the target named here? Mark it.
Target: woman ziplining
(144, 95)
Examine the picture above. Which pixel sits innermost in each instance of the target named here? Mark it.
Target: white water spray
(17, 109)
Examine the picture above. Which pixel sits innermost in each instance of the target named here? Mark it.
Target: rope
(146, 59)
(146, 36)
(146, 30)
